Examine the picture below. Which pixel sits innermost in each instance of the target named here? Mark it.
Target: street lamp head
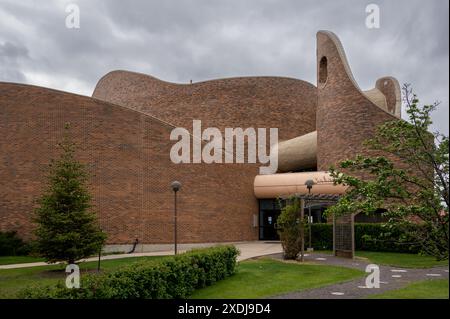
(176, 186)
(309, 184)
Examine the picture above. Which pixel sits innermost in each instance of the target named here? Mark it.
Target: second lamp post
(176, 186)
(309, 185)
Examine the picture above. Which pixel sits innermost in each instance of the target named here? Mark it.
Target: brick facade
(123, 136)
(128, 156)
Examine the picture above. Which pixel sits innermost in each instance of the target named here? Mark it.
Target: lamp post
(176, 186)
(309, 184)
(302, 228)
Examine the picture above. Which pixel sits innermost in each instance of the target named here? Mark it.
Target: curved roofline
(204, 81)
(123, 107)
(43, 87)
(338, 44)
(342, 55)
(398, 94)
(89, 97)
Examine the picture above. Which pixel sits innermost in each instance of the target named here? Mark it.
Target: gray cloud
(199, 40)
(11, 56)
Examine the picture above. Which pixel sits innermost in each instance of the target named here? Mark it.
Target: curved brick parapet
(346, 117)
(285, 103)
(390, 88)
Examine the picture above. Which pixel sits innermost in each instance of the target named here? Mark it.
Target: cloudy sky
(205, 39)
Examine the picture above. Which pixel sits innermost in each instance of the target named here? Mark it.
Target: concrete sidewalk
(248, 250)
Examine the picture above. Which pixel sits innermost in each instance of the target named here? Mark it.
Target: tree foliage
(289, 228)
(411, 192)
(67, 228)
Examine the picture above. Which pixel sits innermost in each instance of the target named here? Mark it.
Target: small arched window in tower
(323, 70)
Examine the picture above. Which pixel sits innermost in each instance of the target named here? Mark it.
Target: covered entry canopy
(287, 184)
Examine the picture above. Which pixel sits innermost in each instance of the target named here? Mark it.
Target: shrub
(12, 245)
(175, 277)
(321, 236)
(289, 229)
(382, 237)
(368, 237)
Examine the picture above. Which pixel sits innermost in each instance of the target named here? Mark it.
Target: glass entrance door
(268, 214)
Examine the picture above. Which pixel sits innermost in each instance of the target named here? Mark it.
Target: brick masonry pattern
(123, 137)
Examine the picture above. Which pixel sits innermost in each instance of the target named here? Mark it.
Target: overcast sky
(205, 39)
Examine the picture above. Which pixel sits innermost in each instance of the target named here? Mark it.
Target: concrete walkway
(248, 250)
(390, 278)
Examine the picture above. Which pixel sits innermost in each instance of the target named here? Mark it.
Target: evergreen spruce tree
(67, 227)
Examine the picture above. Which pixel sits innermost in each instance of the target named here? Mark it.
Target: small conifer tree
(67, 227)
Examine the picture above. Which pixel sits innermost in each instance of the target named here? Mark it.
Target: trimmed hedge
(368, 237)
(175, 277)
(321, 236)
(380, 237)
(12, 245)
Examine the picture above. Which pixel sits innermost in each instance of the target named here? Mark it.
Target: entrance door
(268, 215)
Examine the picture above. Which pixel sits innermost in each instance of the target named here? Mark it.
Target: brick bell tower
(347, 116)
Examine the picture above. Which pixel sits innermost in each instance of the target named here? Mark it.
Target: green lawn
(401, 259)
(396, 259)
(427, 289)
(8, 260)
(254, 278)
(267, 277)
(14, 280)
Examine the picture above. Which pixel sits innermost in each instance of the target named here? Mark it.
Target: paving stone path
(390, 278)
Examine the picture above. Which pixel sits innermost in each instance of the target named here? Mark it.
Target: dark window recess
(376, 217)
(323, 70)
(317, 213)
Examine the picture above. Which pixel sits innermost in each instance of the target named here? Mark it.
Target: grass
(404, 260)
(401, 259)
(254, 278)
(9, 260)
(427, 289)
(14, 280)
(267, 277)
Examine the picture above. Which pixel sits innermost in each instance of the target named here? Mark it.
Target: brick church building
(123, 131)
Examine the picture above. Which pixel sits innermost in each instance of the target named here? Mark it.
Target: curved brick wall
(285, 103)
(123, 133)
(128, 153)
(345, 117)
